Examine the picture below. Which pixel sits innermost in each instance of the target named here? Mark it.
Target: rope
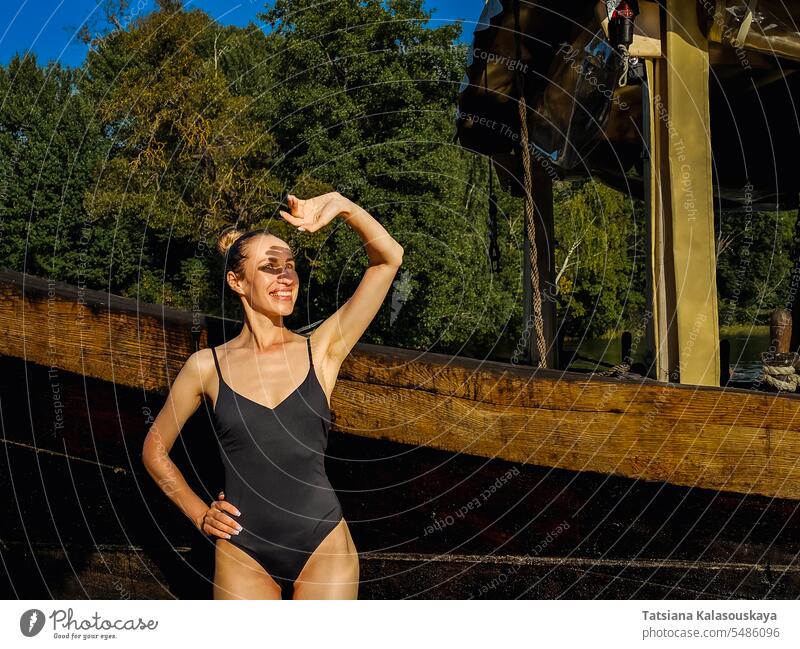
(789, 385)
(529, 213)
(779, 371)
(531, 227)
(621, 369)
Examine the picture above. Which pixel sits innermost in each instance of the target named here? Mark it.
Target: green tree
(49, 145)
(600, 259)
(362, 101)
(188, 156)
(753, 265)
(121, 174)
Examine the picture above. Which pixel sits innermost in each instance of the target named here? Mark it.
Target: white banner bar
(401, 624)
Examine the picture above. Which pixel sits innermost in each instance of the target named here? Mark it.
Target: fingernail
(239, 528)
(238, 513)
(236, 532)
(227, 536)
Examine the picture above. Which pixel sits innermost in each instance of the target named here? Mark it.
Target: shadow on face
(269, 283)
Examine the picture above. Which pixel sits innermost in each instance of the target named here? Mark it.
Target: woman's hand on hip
(314, 213)
(215, 522)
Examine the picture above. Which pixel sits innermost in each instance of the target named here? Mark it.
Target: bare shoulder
(198, 371)
(201, 361)
(185, 395)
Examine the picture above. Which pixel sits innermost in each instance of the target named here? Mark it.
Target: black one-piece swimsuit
(274, 461)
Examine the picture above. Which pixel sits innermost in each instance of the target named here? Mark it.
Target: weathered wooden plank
(707, 449)
(95, 334)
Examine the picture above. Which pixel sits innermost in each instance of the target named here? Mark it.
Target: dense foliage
(118, 175)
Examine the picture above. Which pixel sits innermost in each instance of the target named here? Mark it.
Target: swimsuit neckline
(239, 395)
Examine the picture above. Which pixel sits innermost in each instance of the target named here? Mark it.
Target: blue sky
(49, 27)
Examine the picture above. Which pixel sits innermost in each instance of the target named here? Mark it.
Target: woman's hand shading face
(314, 213)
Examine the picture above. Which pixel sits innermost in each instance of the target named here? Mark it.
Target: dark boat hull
(86, 521)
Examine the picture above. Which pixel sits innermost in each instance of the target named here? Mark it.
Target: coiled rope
(780, 370)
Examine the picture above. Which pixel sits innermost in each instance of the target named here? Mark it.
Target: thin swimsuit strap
(216, 362)
(310, 359)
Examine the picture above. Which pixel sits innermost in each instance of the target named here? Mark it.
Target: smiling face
(268, 283)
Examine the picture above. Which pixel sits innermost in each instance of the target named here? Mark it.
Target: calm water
(745, 352)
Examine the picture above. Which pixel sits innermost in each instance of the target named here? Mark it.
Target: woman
(278, 525)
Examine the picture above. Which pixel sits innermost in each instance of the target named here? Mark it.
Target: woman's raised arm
(341, 331)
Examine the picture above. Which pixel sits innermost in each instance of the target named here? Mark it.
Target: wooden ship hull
(459, 478)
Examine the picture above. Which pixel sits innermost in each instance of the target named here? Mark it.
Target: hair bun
(227, 238)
